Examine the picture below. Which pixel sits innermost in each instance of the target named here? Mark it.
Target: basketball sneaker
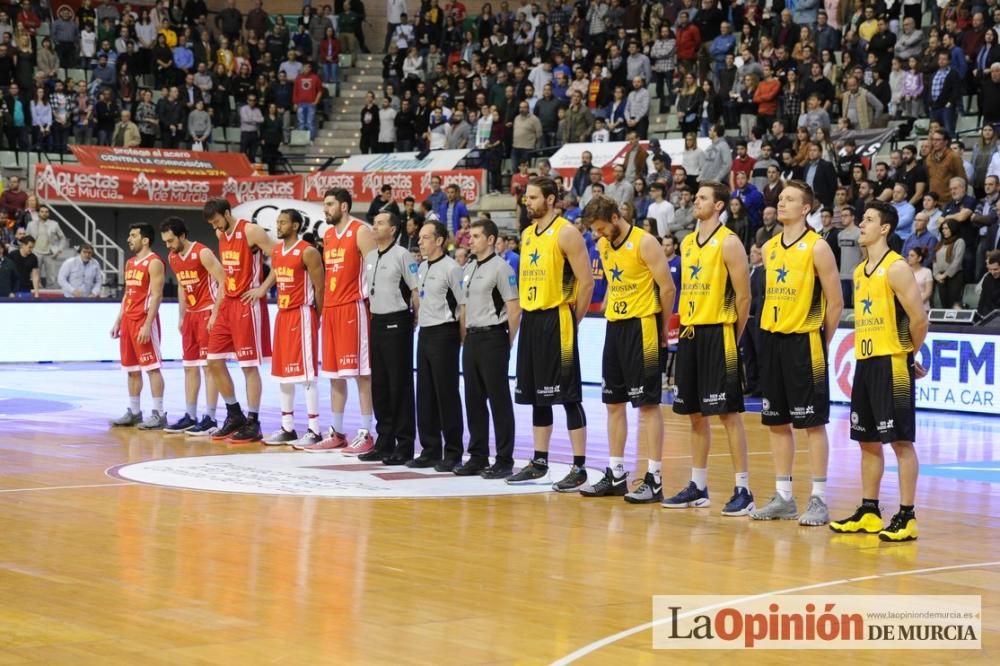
(156, 421)
(740, 504)
(307, 439)
(902, 527)
(230, 426)
(689, 498)
(185, 424)
(333, 442)
(529, 474)
(129, 419)
(573, 481)
(497, 471)
(649, 491)
(777, 509)
(282, 437)
(362, 443)
(608, 486)
(866, 520)
(816, 513)
(205, 427)
(250, 432)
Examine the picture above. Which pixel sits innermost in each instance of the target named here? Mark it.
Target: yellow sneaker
(901, 528)
(866, 520)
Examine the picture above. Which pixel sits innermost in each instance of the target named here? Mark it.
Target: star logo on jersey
(782, 273)
(535, 256)
(695, 269)
(616, 273)
(867, 302)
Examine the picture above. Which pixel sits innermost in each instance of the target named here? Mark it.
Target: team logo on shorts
(765, 404)
(855, 418)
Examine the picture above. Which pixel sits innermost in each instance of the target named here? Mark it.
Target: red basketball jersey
(194, 284)
(137, 294)
(244, 265)
(345, 280)
(295, 289)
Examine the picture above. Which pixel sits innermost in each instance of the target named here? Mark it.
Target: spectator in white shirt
(80, 276)
(660, 210)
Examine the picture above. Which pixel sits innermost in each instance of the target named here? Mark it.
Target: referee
(391, 276)
(438, 402)
(490, 316)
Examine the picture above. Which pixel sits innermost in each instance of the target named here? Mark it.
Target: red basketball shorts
(241, 330)
(137, 355)
(345, 332)
(194, 337)
(296, 345)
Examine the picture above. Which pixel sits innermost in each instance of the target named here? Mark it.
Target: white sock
(700, 477)
(617, 466)
(158, 404)
(783, 484)
(366, 422)
(134, 404)
(210, 411)
(819, 488)
(312, 406)
(192, 411)
(654, 468)
(743, 480)
(338, 422)
(287, 406)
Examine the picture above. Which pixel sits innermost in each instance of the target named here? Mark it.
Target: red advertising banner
(365, 186)
(164, 162)
(84, 185)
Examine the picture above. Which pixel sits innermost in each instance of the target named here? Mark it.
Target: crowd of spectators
(774, 86)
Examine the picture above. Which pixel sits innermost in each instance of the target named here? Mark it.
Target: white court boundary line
(88, 485)
(614, 638)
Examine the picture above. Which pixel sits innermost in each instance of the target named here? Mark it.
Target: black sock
(251, 416)
(870, 504)
(541, 459)
(579, 460)
(906, 509)
(234, 409)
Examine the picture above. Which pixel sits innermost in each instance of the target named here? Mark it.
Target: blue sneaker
(185, 424)
(690, 497)
(740, 504)
(205, 427)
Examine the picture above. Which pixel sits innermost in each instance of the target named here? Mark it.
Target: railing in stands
(109, 254)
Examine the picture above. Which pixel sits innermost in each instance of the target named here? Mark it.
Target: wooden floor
(97, 570)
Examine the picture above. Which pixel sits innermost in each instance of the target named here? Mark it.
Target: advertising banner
(364, 187)
(164, 162)
(436, 160)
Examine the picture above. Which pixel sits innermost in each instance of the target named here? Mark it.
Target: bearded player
(138, 328)
(345, 325)
(199, 276)
(238, 327)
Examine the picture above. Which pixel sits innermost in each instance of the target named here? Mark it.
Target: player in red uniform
(345, 323)
(138, 328)
(297, 269)
(238, 328)
(199, 278)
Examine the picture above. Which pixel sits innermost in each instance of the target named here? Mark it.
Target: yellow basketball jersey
(793, 297)
(547, 280)
(632, 292)
(881, 325)
(707, 295)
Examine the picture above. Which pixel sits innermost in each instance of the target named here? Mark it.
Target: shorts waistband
(496, 328)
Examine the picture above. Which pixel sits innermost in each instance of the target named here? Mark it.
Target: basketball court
(124, 547)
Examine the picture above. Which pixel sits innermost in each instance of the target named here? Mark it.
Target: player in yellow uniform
(889, 325)
(554, 289)
(713, 306)
(802, 305)
(640, 289)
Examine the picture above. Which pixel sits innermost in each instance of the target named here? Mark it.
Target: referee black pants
(392, 383)
(439, 407)
(485, 360)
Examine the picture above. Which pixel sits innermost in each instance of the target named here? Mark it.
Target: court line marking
(88, 485)
(625, 633)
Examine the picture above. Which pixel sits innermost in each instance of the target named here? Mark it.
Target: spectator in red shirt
(13, 199)
(742, 163)
(306, 95)
(329, 57)
(29, 18)
(766, 97)
(519, 181)
(688, 42)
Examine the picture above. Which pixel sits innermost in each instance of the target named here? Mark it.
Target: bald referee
(490, 315)
(391, 275)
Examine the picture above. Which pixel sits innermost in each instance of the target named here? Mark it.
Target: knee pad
(541, 416)
(576, 418)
